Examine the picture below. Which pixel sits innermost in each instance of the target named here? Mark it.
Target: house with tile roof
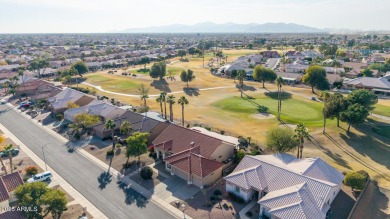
(193, 156)
(8, 183)
(380, 86)
(58, 103)
(286, 187)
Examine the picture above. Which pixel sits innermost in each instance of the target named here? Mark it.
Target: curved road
(153, 95)
(84, 175)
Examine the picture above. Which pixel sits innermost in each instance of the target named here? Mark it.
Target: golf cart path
(153, 95)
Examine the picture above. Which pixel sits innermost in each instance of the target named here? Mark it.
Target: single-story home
(286, 187)
(380, 86)
(59, 102)
(195, 157)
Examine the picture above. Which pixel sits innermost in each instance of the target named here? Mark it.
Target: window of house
(168, 166)
(237, 189)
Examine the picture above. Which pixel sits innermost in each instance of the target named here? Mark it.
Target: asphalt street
(110, 197)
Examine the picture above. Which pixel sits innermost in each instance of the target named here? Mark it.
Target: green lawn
(382, 110)
(112, 82)
(294, 110)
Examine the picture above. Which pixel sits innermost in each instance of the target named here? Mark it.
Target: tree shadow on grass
(335, 156)
(369, 144)
(132, 196)
(246, 87)
(104, 179)
(161, 85)
(191, 91)
(274, 95)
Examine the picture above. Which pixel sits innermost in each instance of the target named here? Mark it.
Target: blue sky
(67, 16)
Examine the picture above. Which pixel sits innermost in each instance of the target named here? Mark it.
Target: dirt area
(73, 212)
(19, 162)
(119, 159)
(263, 116)
(373, 203)
(196, 206)
(148, 184)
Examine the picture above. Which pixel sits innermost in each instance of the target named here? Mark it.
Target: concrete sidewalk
(57, 179)
(176, 213)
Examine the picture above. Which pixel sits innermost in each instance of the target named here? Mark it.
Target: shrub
(151, 149)
(212, 198)
(217, 192)
(249, 214)
(222, 132)
(31, 170)
(110, 152)
(355, 180)
(146, 173)
(262, 109)
(364, 173)
(236, 198)
(59, 117)
(117, 145)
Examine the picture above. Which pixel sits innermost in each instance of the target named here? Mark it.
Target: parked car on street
(40, 177)
(2, 101)
(14, 152)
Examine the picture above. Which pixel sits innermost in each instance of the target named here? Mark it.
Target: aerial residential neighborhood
(195, 110)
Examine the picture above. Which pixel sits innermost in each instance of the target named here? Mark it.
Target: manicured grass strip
(293, 110)
(382, 110)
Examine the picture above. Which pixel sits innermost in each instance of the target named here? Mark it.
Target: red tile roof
(182, 138)
(191, 162)
(4, 195)
(12, 215)
(9, 183)
(12, 181)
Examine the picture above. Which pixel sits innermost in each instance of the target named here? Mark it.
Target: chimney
(192, 144)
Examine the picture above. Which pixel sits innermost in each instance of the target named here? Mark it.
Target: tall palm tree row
(325, 97)
(182, 101)
(301, 133)
(171, 101)
(8, 148)
(21, 75)
(279, 84)
(110, 124)
(144, 94)
(163, 99)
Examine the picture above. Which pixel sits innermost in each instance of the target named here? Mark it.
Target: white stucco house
(286, 187)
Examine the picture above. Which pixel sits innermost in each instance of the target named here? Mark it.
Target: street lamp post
(183, 206)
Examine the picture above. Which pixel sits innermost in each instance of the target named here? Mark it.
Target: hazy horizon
(102, 16)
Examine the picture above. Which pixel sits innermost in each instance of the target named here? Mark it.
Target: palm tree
(21, 75)
(8, 148)
(125, 128)
(182, 101)
(325, 97)
(2, 139)
(143, 92)
(279, 84)
(160, 101)
(171, 101)
(163, 96)
(110, 124)
(301, 133)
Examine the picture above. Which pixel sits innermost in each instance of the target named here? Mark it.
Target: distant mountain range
(209, 27)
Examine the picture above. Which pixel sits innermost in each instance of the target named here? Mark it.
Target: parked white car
(45, 176)
(2, 101)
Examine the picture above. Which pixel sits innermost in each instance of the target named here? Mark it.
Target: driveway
(102, 190)
(174, 188)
